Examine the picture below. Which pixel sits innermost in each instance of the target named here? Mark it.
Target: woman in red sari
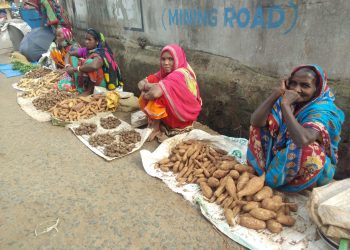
(170, 98)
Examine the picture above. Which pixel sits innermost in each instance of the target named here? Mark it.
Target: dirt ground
(46, 173)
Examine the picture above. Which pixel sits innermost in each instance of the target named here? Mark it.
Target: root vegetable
(231, 187)
(265, 192)
(206, 190)
(220, 173)
(250, 205)
(242, 181)
(286, 220)
(229, 216)
(253, 186)
(252, 223)
(213, 182)
(234, 174)
(262, 214)
(271, 204)
(273, 226)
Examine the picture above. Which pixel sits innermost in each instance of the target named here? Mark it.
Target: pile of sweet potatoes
(80, 108)
(234, 186)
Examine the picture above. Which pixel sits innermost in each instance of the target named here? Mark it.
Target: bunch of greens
(24, 68)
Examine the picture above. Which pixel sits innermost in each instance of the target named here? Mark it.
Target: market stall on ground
(208, 170)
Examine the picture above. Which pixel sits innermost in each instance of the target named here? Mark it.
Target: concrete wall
(272, 35)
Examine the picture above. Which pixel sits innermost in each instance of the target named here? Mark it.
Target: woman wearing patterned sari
(295, 132)
(171, 96)
(95, 66)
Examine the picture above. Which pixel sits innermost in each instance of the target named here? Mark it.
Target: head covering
(67, 33)
(320, 113)
(180, 87)
(179, 56)
(110, 66)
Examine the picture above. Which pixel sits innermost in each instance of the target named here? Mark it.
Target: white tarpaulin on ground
(124, 126)
(301, 236)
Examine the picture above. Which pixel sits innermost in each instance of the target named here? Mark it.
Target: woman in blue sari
(295, 132)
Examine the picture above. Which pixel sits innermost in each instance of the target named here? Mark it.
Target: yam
(274, 226)
(234, 174)
(213, 182)
(231, 187)
(253, 186)
(252, 223)
(220, 173)
(221, 198)
(262, 214)
(206, 190)
(226, 166)
(270, 204)
(229, 216)
(219, 190)
(250, 205)
(265, 192)
(242, 181)
(236, 211)
(286, 220)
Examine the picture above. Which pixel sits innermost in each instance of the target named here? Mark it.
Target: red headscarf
(180, 87)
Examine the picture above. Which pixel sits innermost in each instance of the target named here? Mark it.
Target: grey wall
(312, 31)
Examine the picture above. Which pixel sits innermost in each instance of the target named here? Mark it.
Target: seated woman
(295, 132)
(63, 44)
(95, 67)
(171, 96)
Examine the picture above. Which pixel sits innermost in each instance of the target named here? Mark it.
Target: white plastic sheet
(122, 127)
(301, 236)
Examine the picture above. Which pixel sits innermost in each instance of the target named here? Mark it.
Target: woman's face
(304, 83)
(90, 42)
(167, 62)
(59, 37)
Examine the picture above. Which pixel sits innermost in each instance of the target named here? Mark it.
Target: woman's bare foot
(155, 126)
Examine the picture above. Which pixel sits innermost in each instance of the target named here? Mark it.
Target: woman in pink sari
(170, 98)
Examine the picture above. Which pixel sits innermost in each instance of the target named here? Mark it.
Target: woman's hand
(153, 92)
(281, 89)
(143, 85)
(290, 97)
(70, 70)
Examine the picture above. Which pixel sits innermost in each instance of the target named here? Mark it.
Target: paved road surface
(47, 173)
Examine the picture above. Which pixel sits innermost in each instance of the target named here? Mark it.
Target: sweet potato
(236, 211)
(250, 205)
(229, 216)
(253, 186)
(234, 174)
(164, 161)
(262, 214)
(286, 220)
(271, 204)
(182, 172)
(176, 167)
(241, 168)
(265, 192)
(206, 190)
(227, 202)
(219, 190)
(242, 181)
(199, 180)
(221, 198)
(231, 187)
(273, 226)
(220, 173)
(252, 223)
(213, 182)
(226, 165)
